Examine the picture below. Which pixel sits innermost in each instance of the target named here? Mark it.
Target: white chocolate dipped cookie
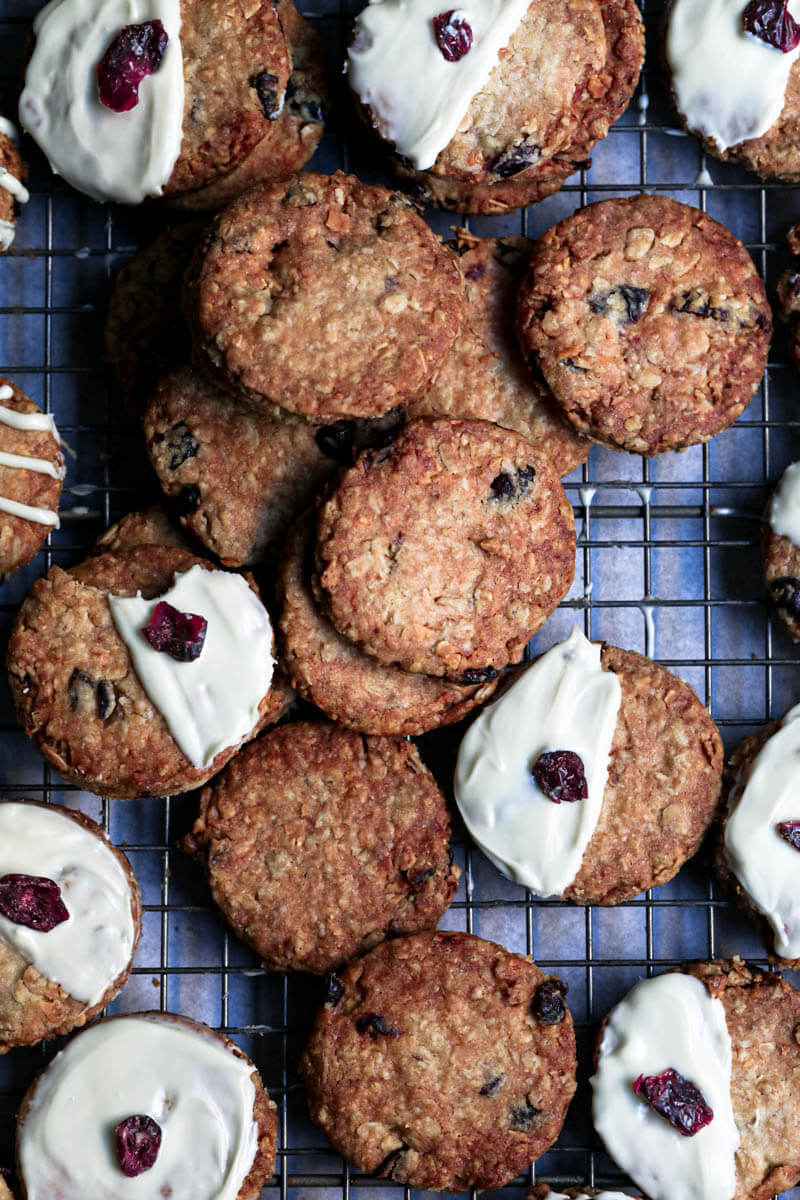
(780, 541)
(587, 743)
(147, 1105)
(31, 473)
(70, 921)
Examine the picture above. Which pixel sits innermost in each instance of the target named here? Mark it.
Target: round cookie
(441, 1062)
(145, 333)
(788, 293)
(567, 73)
(760, 1012)
(29, 496)
(324, 295)
(81, 700)
(650, 757)
(648, 321)
(350, 687)
(484, 375)
(319, 843)
(59, 969)
(292, 136)
(13, 192)
(780, 544)
(446, 550)
(155, 1066)
(233, 70)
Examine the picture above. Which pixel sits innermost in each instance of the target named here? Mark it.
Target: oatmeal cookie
(788, 290)
(446, 550)
(484, 376)
(66, 949)
(442, 1062)
(648, 321)
(82, 701)
(156, 1065)
(29, 496)
(350, 687)
(324, 295)
(13, 192)
(319, 843)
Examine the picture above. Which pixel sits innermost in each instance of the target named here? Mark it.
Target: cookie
(788, 293)
(758, 837)
(350, 687)
(294, 134)
(445, 551)
(587, 744)
(13, 192)
(521, 95)
(129, 1097)
(729, 1031)
(31, 472)
(442, 1062)
(70, 921)
(318, 843)
(543, 1191)
(484, 375)
(780, 542)
(732, 86)
(199, 84)
(123, 714)
(648, 321)
(324, 295)
(5, 1190)
(145, 333)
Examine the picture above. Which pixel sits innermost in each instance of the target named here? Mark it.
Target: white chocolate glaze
(729, 85)
(86, 953)
(767, 866)
(563, 701)
(123, 156)
(395, 66)
(198, 1091)
(599, 1196)
(669, 1021)
(9, 129)
(7, 231)
(783, 514)
(211, 703)
(13, 185)
(42, 466)
(29, 422)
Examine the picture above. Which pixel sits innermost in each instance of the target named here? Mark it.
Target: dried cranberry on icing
(181, 635)
(790, 832)
(560, 775)
(135, 52)
(771, 22)
(33, 901)
(453, 34)
(677, 1099)
(138, 1144)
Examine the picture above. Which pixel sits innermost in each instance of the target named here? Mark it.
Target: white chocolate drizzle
(416, 96)
(29, 422)
(86, 953)
(42, 466)
(9, 129)
(765, 793)
(563, 701)
(729, 85)
(7, 231)
(13, 185)
(213, 702)
(199, 1092)
(123, 156)
(668, 1022)
(783, 514)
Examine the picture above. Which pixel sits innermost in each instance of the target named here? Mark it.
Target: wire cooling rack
(668, 564)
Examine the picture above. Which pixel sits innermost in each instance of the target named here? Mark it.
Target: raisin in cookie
(442, 1062)
(319, 843)
(446, 550)
(648, 321)
(31, 472)
(70, 921)
(324, 295)
(484, 375)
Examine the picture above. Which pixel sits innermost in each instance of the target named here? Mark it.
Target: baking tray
(668, 564)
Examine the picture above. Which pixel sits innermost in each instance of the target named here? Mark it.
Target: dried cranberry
(785, 595)
(138, 1144)
(560, 775)
(376, 1026)
(790, 832)
(181, 635)
(523, 1117)
(453, 34)
(515, 159)
(492, 1085)
(512, 485)
(677, 1099)
(475, 675)
(771, 22)
(135, 52)
(33, 901)
(548, 1002)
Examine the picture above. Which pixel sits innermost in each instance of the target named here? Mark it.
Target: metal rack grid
(667, 564)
